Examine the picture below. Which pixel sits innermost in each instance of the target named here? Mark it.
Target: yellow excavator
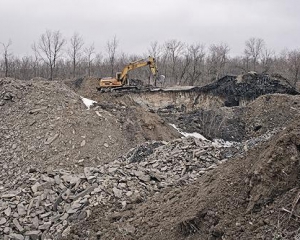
(121, 81)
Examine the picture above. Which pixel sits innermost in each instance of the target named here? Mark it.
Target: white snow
(185, 134)
(222, 143)
(87, 102)
(215, 142)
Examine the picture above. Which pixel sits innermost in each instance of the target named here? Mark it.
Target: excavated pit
(222, 109)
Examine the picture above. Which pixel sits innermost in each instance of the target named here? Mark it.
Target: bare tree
(154, 50)
(111, 48)
(183, 65)
(89, 51)
(36, 62)
(217, 59)
(294, 65)
(98, 63)
(74, 51)
(197, 54)
(253, 50)
(267, 59)
(50, 49)
(174, 50)
(6, 55)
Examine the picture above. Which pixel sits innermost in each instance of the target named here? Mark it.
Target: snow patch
(185, 134)
(222, 143)
(216, 142)
(87, 102)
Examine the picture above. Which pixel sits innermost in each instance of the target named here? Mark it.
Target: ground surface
(120, 171)
(251, 197)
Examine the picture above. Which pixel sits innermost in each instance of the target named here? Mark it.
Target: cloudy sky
(137, 23)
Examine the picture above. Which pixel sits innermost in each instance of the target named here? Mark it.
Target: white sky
(137, 23)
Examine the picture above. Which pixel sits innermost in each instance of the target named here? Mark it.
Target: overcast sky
(137, 23)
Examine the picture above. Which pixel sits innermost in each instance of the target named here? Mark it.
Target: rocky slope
(254, 196)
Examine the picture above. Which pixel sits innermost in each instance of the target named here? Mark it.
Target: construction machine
(121, 81)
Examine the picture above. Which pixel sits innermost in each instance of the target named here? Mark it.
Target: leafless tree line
(55, 57)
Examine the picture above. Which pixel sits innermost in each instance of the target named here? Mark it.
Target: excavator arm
(150, 61)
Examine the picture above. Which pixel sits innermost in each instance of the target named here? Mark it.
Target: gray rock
(74, 207)
(17, 225)
(9, 195)
(83, 143)
(2, 221)
(49, 140)
(6, 230)
(64, 217)
(21, 210)
(117, 192)
(34, 235)
(45, 226)
(66, 232)
(106, 145)
(7, 211)
(35, 222)
(85, 192)
(16, 236)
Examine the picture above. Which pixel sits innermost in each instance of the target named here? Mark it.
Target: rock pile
(37, 205)
(46, 124)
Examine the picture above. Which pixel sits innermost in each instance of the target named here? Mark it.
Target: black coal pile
(247, 87)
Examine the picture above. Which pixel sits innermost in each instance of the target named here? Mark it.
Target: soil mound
(85, 86)
(46, 125)
(252, 197)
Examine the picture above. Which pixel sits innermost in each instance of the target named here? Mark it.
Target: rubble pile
(44, 204)
(46, 124)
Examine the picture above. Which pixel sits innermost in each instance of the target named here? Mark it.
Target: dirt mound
(85, 86)
(45, 124)
(253, 197)
(269, 112)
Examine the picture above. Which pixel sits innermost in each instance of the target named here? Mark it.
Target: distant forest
(55, 57)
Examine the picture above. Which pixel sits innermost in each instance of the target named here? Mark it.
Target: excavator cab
(118, 75)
